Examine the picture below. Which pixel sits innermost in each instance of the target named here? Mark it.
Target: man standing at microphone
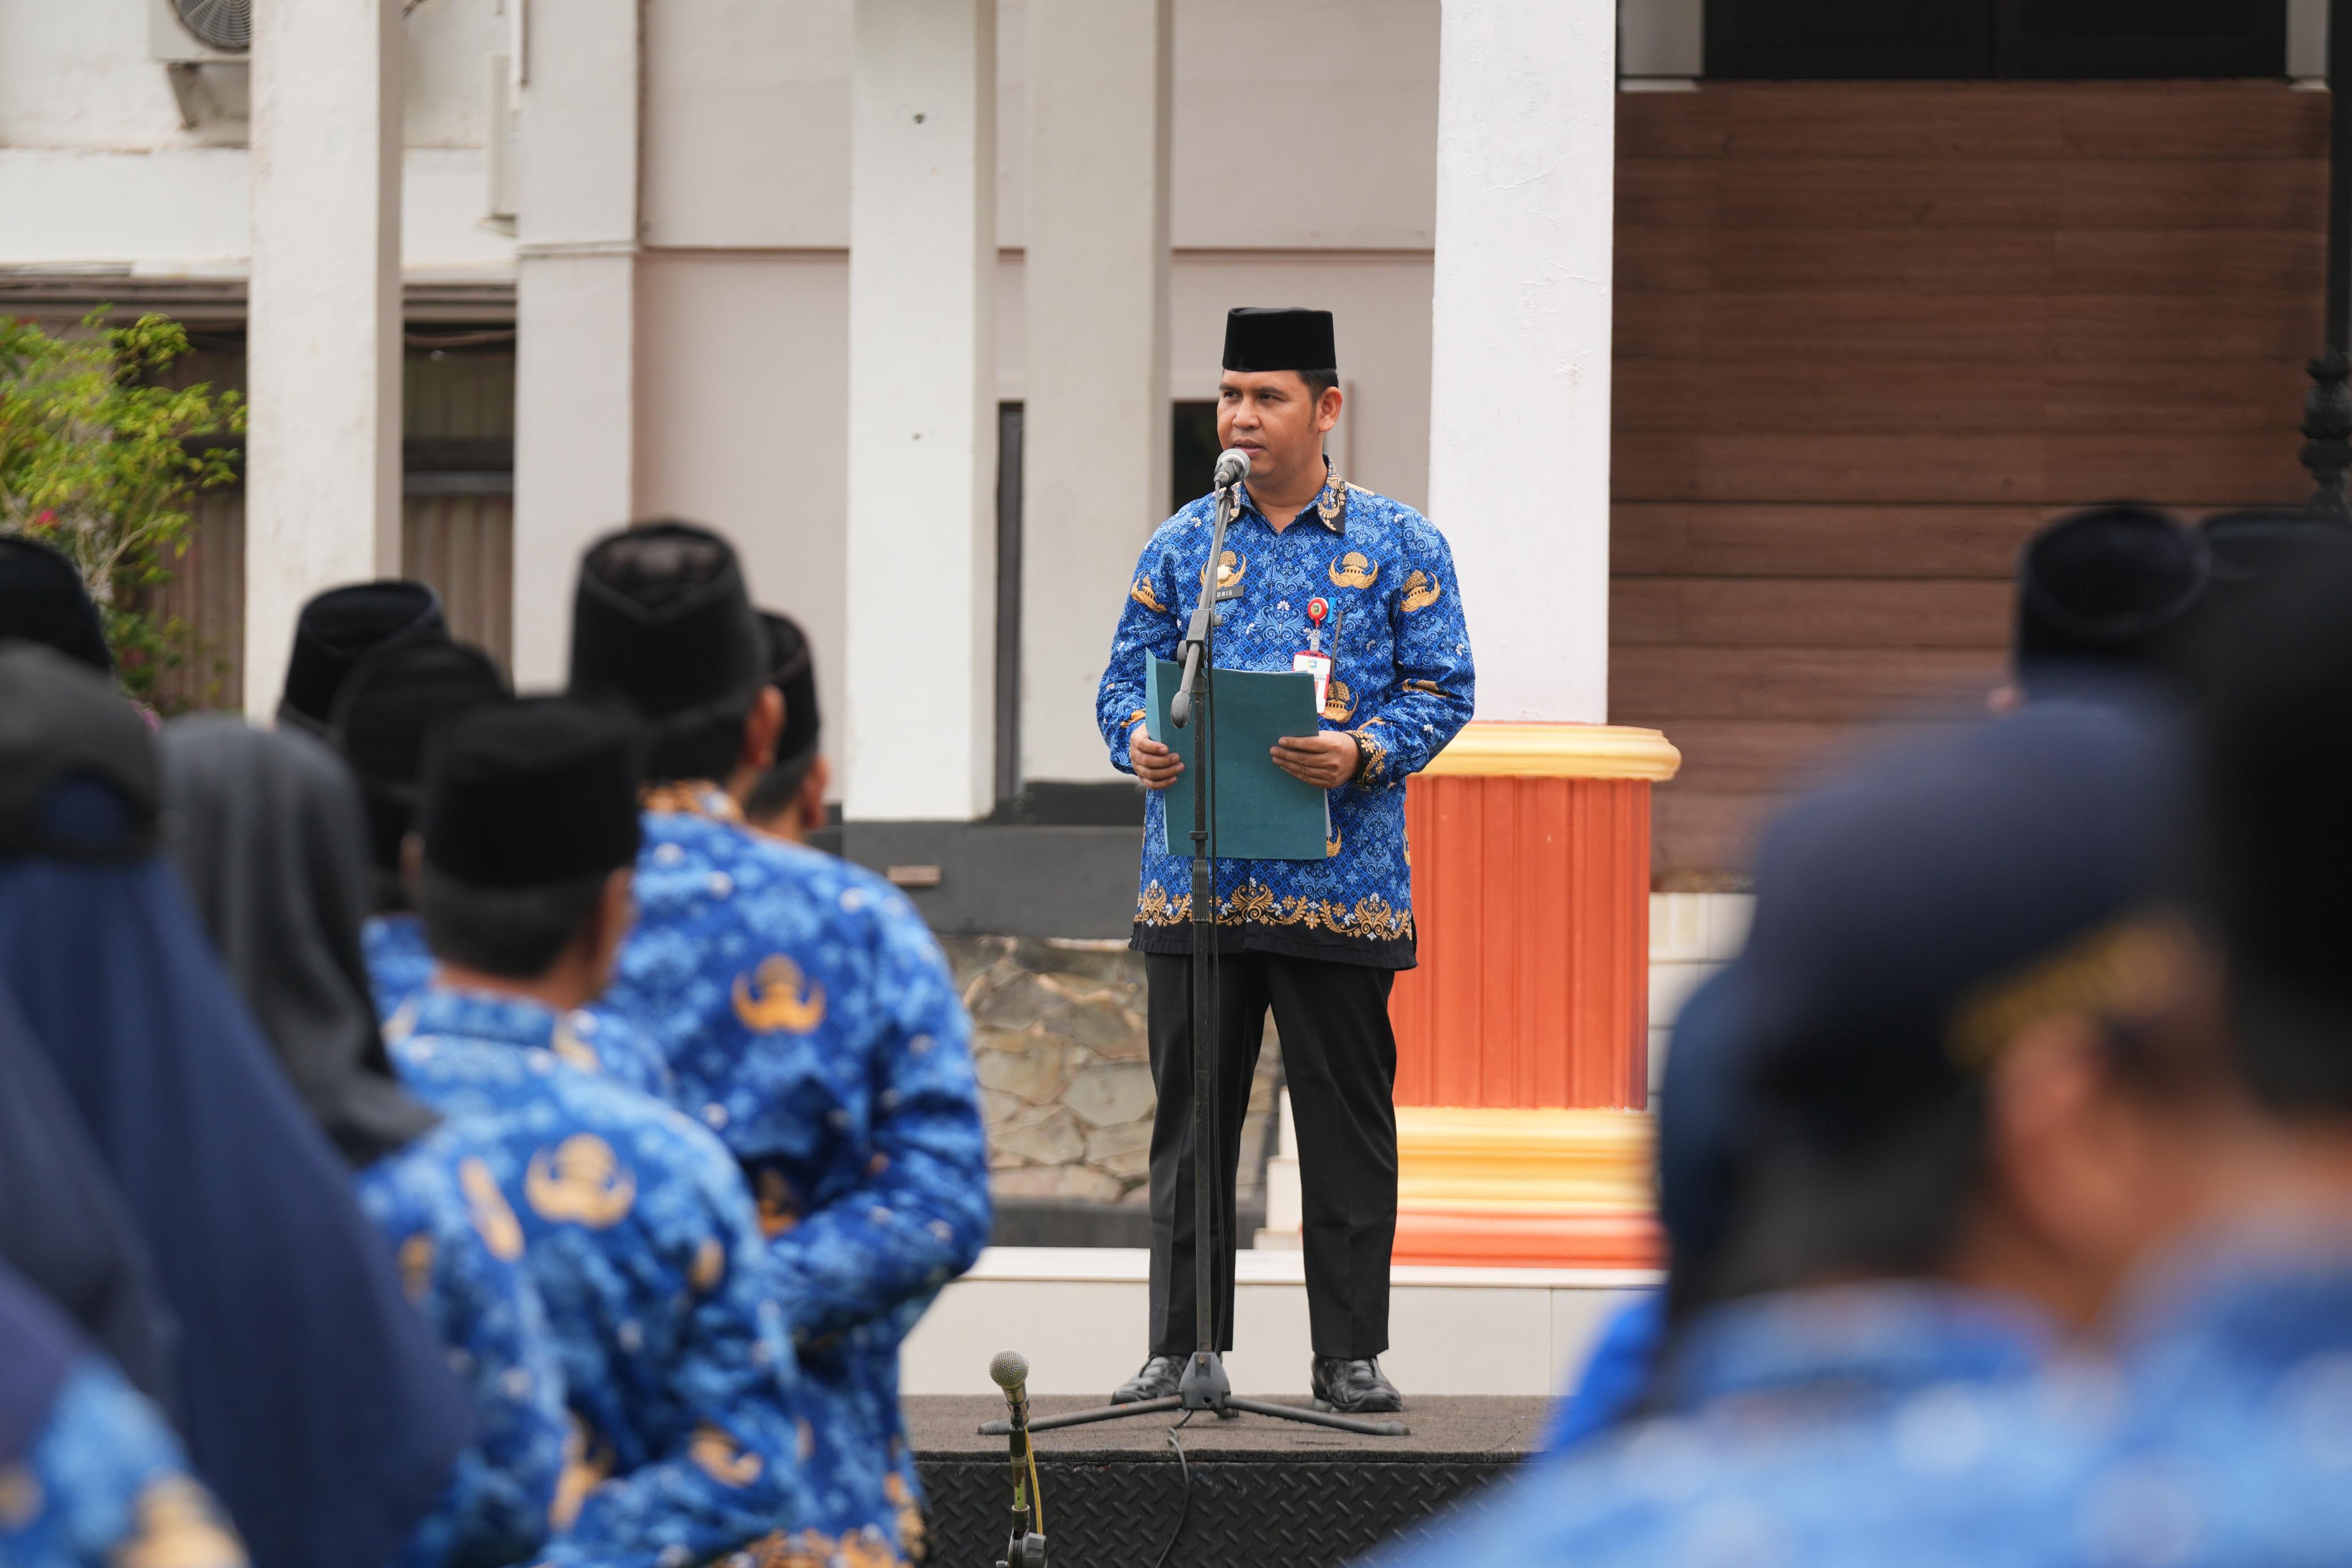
(1359, 591)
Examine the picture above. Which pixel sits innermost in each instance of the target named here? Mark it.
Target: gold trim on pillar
(1468, 1161)
(1496, 749)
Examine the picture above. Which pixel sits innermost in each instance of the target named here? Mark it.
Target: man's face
(1270, 415)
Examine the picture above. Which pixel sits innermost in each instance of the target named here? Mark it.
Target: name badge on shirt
(1315, 662)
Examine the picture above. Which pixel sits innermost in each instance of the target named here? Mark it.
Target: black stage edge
(1262, 1491)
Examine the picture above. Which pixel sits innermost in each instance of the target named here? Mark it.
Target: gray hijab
(271, 836)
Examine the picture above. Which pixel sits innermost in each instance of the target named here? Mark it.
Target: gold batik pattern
(1370, 918)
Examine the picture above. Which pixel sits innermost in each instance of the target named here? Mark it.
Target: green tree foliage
(101, 459)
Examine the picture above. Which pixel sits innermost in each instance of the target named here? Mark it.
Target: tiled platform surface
(1081, 1314)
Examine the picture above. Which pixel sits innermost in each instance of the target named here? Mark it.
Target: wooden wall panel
(1870, 336)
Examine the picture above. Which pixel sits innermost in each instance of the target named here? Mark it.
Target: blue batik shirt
(690, 1439)
(811, 1023)
(400, 967)
(462, 1265)
(1808, 1429)
(2233, 1442)
(106, 1485)
(1402, 683)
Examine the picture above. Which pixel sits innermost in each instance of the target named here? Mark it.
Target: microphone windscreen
(1009, 1370)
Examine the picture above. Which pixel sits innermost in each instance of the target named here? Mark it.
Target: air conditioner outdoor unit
(194, 32)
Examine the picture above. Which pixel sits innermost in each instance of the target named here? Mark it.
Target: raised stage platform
(1262, 1492)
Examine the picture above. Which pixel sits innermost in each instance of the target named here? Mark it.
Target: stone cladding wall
(1065, 1073)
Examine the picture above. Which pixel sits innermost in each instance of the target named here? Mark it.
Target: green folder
(1262, 813)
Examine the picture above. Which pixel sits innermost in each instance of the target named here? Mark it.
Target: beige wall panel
(743, 424)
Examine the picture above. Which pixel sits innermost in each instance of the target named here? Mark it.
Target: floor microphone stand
(1204, 1385)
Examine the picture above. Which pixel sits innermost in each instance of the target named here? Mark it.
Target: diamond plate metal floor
(1262, 1491)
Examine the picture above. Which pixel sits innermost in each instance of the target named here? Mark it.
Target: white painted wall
(1520, 377)
(1094, 445)
(576, 389)
(920, 664)
(322, 475)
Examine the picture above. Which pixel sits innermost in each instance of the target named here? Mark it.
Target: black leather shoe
(1354, 1387)
(1156, 1381)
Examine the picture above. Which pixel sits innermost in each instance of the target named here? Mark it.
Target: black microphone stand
(1204, 1385)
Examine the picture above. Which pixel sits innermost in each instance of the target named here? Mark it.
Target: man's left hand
(1325, 760)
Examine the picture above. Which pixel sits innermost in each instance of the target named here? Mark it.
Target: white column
(1095, 425)
(575, 312)
(322, 468)
(922, 410)
(1518, 447)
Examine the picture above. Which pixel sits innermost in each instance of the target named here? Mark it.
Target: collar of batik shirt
(458, 1014)
(1329, 507)
(2266, 1297)
(1879, 1338)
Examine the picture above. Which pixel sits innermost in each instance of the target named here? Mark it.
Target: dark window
(1008, 600)
(2058, 39)
(1192, 453)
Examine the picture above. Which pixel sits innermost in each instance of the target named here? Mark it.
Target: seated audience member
(787, 800)
(2105, 597)
(803, 1004)
(42, 600)
(342, 626)
(272, 844)
(91, 1473)
(634, 1222)
(315, 1402)
(1963, 1069)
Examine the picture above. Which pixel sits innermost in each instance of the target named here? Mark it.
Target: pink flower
(46, 521)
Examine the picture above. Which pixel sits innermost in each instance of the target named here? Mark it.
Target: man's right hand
(1155, 764)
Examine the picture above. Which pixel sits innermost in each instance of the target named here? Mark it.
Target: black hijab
(272, 840)
(63, 1226)
(318, 1406)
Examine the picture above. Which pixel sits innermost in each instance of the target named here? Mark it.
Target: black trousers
(1339, 1057)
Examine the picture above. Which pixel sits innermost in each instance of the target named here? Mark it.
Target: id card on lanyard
(1314, 661)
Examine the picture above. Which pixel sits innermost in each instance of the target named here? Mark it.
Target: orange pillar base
(1522, 1054)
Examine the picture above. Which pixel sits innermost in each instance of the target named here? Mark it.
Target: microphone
(1232, 467)
(1009, 1370)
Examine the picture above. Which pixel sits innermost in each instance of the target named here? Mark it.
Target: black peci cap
(1895, 908)
(343, 626)
(792, 670)
(661, 617)
(80, 775)
(2105, 591)
(389, 710)
(42, 600)
(531, 792)
(2278, 841)
(1279, 337)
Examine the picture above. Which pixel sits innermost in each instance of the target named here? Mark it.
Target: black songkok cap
(532, 791)
(2278, 838)
(340, 627)
(390, 708)
(80, 777)
(1892, 905)
(662, 617)
(792, 670)
(42, 600)
(1279, 337)
(2104, 592)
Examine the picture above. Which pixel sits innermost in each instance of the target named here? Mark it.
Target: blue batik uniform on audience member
(1402, 683)
(640, 1236)
(90, 1474)
(461, 1263)
(801, 1003)
(1793, 1430)
(400, 969)
(812, 1024)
